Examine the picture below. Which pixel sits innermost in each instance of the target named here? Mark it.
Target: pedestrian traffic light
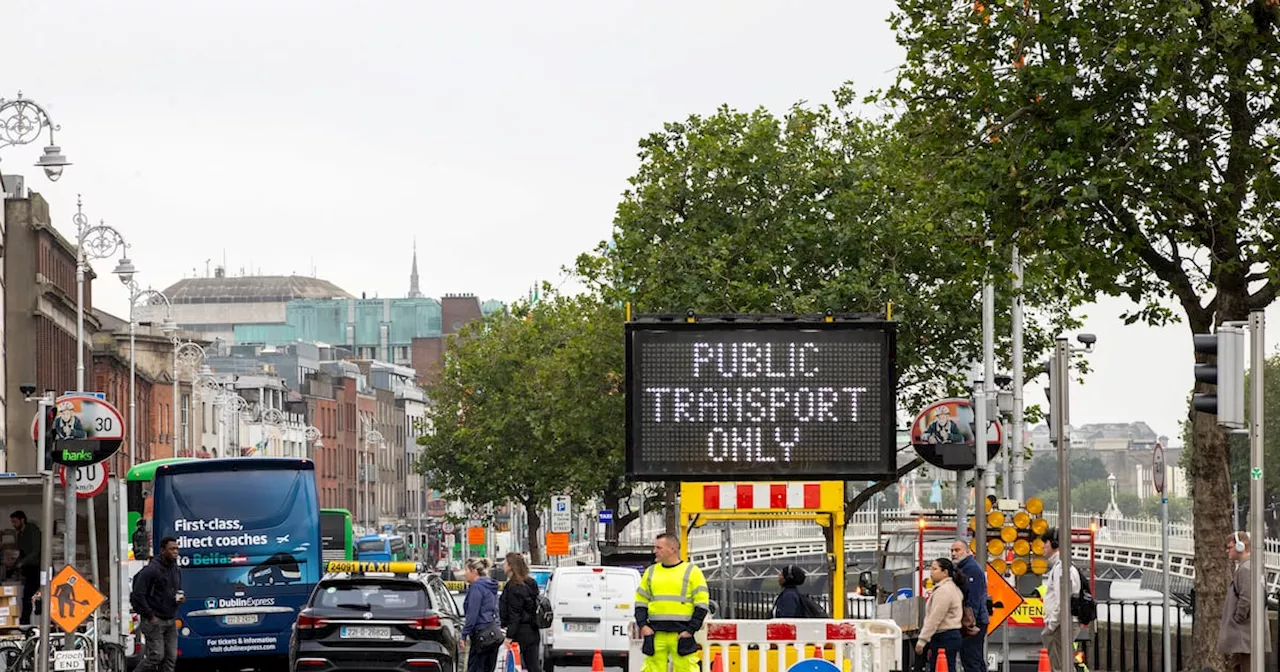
(1226, 373)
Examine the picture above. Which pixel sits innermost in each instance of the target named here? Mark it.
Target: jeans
(948, 641)
(161, 652)
(482, 660)
(972, 652)
(30, 584)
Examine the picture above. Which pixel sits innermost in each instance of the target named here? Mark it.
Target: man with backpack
(791, 603)
(1052, 599)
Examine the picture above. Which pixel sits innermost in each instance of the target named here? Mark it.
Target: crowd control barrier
(774, 646)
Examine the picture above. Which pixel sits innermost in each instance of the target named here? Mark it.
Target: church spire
(414, 291)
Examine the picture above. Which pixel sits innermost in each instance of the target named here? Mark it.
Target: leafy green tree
(530, 405)
(1179, 509)
(1136, 140)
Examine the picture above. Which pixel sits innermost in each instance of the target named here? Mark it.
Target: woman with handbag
(943, 613)
(481, 633)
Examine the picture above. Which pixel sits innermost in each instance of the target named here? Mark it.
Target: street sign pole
(1257, 584)
(1158, 477)
(46, 536)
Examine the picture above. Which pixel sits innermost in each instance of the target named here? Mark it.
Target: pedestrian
(789, 603)
(1052, 580)
(942, 614)
(481, 631)
(29, 561)
(518, 608)
(1234, 636)
(156, 594)
(973, 584)
(672, 601)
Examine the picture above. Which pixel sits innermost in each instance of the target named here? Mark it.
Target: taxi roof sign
(358, 567)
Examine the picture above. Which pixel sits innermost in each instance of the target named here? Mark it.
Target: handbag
(488, 635)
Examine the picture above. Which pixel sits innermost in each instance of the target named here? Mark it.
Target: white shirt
(1052, 581)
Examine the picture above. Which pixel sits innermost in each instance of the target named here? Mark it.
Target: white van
(594, 611)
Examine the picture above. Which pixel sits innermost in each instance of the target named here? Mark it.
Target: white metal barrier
(773, 646)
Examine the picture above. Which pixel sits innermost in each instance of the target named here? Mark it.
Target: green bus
(336, 542)
(138, 484)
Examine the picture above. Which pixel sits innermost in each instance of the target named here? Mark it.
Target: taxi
(377, 616)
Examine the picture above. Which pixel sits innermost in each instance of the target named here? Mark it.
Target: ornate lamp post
(93, 243)
(168, 327)
(21, 121)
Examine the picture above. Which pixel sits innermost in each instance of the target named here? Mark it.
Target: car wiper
(361, 607)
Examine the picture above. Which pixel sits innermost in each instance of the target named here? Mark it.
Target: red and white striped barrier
(773, 646)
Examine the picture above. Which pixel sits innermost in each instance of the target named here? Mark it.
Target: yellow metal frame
(829, 514)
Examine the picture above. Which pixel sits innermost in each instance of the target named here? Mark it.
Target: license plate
(65, 661)
(579, 627)
(240, 619)
(357, 632)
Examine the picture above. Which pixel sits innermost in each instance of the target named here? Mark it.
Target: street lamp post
(168, 327)
(374, 437)
(186, 355)
(92, 243)
(20, 123)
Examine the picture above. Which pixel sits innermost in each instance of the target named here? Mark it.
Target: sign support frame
(828, 515)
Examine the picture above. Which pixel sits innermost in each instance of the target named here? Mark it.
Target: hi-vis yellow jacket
(672, 599)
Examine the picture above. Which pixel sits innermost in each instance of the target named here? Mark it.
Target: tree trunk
(535, 533)
(612, 499)
(1211, 519)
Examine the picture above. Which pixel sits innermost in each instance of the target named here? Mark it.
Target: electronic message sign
(761, 400)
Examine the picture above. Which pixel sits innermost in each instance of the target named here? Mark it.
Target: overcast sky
(290, 135)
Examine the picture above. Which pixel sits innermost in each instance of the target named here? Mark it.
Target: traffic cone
(1044, 662)
(941, 664)
(717, 663)
(597, 662)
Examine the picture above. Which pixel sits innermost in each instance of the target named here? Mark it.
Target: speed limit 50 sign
(90, 479)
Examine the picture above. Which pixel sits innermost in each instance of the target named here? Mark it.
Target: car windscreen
(371, 595)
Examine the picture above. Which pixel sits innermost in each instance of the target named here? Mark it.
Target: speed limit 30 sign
(90, 479)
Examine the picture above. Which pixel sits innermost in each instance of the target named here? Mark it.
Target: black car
(354, 621)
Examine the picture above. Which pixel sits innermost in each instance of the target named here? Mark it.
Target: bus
(248, 532)
(335, 535)
(381, 548)
(138, 500)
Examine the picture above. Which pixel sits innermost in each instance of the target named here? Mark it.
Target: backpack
(544, 614)
(811, 609)
(1083, 607)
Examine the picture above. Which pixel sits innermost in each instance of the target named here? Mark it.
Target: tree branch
(851, 507)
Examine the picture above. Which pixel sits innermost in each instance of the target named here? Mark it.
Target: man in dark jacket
(789, 604)
(156, 594)
(973, 583)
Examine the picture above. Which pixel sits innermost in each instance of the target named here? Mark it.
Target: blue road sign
(606, 516)
(813, 665)
(96, 395)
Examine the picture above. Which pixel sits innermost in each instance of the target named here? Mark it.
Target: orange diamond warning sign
(73, 599)
(1004, 599)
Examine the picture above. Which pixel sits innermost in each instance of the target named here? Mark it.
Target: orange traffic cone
(717, 663)
(1044, 666)
(941, 664)
(597, 662)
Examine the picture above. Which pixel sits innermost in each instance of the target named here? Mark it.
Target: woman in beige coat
(942, 615)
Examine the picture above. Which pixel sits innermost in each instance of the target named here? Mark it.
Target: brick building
(39, 319)
(428, 352)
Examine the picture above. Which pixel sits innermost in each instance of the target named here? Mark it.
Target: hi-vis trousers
(664, 647)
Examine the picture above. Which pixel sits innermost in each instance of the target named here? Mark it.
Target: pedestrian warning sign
(73, 599)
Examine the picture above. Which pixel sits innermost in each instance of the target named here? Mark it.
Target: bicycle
(25, 658)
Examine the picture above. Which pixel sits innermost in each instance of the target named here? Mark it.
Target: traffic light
(1227, 374)
(50, 438)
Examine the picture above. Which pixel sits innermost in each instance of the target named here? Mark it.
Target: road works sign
(1005, 600)
(74, 599)
(737, 398)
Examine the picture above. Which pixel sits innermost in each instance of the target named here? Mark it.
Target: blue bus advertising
(248, 532)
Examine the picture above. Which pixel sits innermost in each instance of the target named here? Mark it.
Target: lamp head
(125, 270)
(53, 162)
